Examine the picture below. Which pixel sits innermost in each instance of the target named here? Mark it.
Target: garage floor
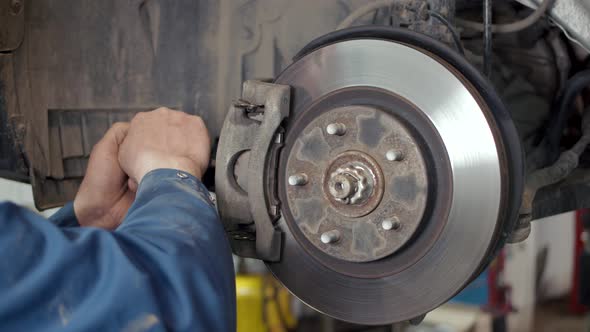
(554, 316)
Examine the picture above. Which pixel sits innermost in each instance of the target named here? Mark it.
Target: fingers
(104, 182)
(165, 138)
(112, 139)
(132, 185)
(117, 132)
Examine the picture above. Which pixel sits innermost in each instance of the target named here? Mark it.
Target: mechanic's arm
(167, 266)
(65, 217)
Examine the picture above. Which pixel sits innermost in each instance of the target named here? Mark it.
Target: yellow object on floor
(249, 303)
(263, 305)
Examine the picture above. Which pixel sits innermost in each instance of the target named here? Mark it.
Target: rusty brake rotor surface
(397, 180)
(361, 183)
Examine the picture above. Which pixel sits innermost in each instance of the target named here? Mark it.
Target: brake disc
(399, 177)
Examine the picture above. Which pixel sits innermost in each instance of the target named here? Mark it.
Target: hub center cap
(351, 184)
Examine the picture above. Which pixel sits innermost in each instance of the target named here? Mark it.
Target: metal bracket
(248, 137)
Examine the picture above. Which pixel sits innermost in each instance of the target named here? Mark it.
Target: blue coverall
(168, 266)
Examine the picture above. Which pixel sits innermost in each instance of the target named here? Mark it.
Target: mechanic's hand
(165, 139)
(104, 197)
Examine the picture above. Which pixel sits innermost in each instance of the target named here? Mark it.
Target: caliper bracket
(250, 132)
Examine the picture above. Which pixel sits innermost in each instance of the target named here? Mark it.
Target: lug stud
(390, 224)
(394, 155)
(329, 237)
(336, 129)
(298, 179)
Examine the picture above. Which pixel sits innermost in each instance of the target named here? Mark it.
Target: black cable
(558, 120)
(487, 38)
(454, 33)
(510, 27)
(374, 20)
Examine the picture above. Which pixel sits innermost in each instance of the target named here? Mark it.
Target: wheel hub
(354, 187)
(351, 184)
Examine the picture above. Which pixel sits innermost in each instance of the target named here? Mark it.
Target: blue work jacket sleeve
(167, 267)
(65, 217)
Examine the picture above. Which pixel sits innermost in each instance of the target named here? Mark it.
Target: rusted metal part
(413, 14)
(352, 187)
(366, 196)
(272, 196)
(248, 106)
(561, 169)
(352, 183)
(408, 14)
(12, 24)
(243, 192)
(570, 194)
